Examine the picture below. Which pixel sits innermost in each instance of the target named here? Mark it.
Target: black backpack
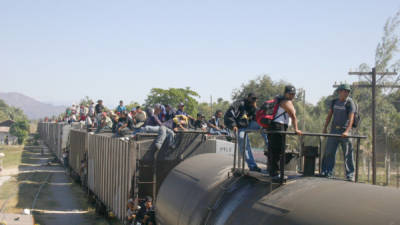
(357, 118)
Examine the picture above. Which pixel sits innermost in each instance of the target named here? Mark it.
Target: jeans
(251, 163)
(276, 147)
(329, 159)
(164, 133)
(150, 129)
(218, 132)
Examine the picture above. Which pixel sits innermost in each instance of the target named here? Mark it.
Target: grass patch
(13, 156)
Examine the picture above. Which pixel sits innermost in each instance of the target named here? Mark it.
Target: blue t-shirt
(341, 112)
(121, 108)
(180, 112)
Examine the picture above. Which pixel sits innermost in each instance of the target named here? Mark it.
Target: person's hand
(345, 134)
(235, 129)
(298, 132)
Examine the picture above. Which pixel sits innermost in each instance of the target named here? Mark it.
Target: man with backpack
(241, 117)
(343, 110)
(274, 115)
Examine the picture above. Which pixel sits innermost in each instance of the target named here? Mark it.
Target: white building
(5, 133)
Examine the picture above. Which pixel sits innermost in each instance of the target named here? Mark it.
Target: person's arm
(327, 121)
(351, 121)
(230, 117)
(212, 125)
(289, 108)
(157, 121)
(351, 113)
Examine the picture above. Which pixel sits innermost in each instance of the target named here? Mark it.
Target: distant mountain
(31, 107)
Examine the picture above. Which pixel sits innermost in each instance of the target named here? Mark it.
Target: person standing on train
(277, 142)
(342, 110)
(241, 117)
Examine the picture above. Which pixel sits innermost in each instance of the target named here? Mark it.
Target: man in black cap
(277, 142)
(241, 117)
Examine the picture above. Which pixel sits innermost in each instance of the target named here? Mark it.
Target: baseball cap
(290, 89)
(344, 87)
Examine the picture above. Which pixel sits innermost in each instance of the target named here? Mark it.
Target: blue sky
(60, 51)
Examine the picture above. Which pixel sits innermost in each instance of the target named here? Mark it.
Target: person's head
(157, 108)
(218, 114)
(138, 109)
(252, 99)
(290, 92)
(121, 103)
(181, 106)
(200, 116)
(100, 102)
(115, 117)
(343, 91)
(104, 115)
(149, 202)
(168, 107)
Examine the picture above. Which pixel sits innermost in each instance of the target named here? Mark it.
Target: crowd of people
(239, 118)
(161, 119)
(243, 115)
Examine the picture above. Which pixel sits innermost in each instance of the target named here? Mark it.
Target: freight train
(198, 184)
(115, 170)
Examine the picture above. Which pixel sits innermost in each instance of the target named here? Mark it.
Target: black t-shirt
(170, 115)
(199, 124)
(250, 110)
(126, 120)
(99, 108)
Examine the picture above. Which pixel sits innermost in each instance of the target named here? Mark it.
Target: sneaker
(351, 179)
(330, 176)
(256, 169)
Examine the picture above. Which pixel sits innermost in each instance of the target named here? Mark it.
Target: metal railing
(239, 166)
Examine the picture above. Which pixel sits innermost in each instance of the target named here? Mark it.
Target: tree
(208, 111)
(86, 101)
(20, 129)
(132, 105)
(10, 113)
(174, 96)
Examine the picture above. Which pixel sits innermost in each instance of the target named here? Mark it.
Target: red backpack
(267, 113)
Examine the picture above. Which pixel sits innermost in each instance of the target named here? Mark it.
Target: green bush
(20, 129)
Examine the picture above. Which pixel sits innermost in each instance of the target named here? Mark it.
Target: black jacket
(239, 114)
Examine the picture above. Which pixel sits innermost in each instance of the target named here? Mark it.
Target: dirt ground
(59, 201)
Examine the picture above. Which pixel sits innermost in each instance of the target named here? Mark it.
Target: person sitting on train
(124, 124)
(170, 112)
(216, 126)
(114, 118)
(152, 124)
(199, 123)
(105, 123)
(181, 111)
(146, 213)
(181, 123)
(131, 213)
(139, 117)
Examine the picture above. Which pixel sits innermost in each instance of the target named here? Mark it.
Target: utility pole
(373, 74)
(211, 105)
(304, 110)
